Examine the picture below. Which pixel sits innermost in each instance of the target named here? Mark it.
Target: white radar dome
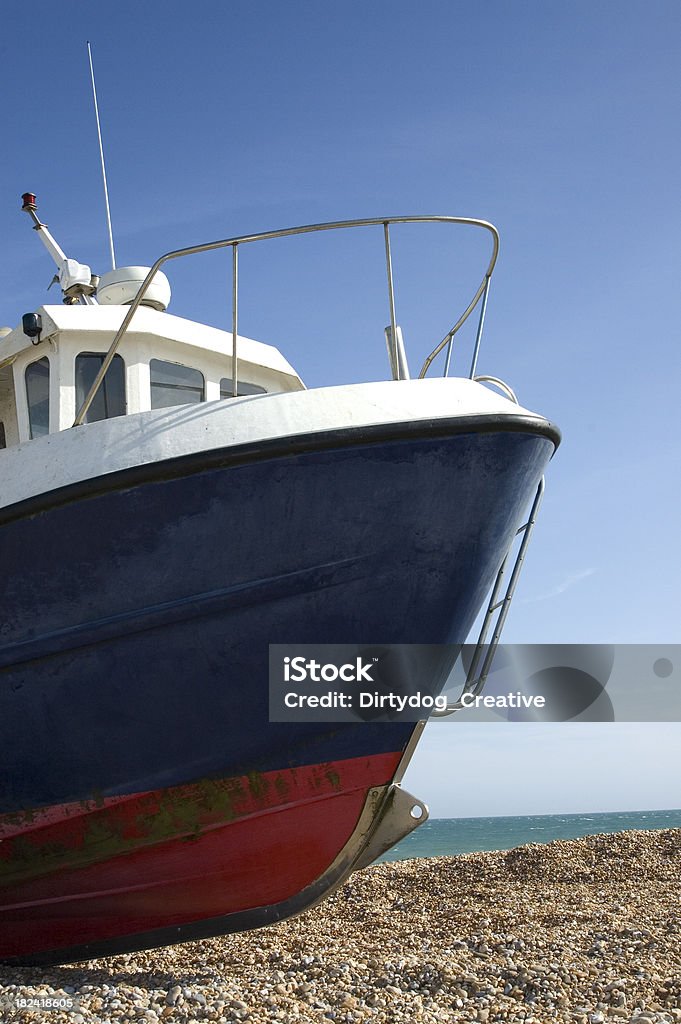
(119, 287)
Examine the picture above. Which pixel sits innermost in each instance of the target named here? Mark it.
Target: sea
(439, 837)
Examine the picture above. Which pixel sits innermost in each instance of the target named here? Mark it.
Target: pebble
(586, 931)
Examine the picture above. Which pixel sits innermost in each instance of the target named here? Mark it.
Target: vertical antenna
(101, 155)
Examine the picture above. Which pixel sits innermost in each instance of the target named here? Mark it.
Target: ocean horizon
(440, 837)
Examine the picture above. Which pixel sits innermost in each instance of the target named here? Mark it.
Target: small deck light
(32, 325)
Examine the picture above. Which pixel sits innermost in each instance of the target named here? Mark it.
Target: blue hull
(139, 607)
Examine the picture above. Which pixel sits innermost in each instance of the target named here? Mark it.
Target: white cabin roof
(100, 323)
(70, 333)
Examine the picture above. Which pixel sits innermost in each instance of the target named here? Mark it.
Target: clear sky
(558, 122)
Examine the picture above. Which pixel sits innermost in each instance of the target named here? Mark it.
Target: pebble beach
(582, 931)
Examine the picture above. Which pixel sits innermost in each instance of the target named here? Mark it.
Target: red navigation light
(29, 201)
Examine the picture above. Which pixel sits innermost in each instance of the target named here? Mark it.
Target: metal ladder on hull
(483, 655)
(475, 680)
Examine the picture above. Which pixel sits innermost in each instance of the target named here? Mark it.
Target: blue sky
(558, 122)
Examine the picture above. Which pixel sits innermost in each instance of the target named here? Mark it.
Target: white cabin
(162, 360)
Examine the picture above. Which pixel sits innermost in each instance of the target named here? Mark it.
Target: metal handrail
(384, 222)
(505, 388)
(483, 291)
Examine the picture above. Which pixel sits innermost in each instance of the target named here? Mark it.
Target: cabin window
(173, 384)
(110, 399)
(243, 388)
(38, 395)
(3, 441)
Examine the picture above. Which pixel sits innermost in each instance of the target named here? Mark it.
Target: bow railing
(396, 353)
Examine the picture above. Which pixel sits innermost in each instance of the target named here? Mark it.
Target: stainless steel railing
(481, 293)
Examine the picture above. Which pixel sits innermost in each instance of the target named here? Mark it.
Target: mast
(101, 157)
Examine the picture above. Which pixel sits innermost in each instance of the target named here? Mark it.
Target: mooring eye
(416, 811)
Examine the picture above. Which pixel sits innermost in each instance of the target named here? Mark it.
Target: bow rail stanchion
(235, 320)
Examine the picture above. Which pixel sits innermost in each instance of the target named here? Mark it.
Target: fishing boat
(174, 501)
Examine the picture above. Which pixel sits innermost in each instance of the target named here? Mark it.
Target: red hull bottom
(98, 876)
